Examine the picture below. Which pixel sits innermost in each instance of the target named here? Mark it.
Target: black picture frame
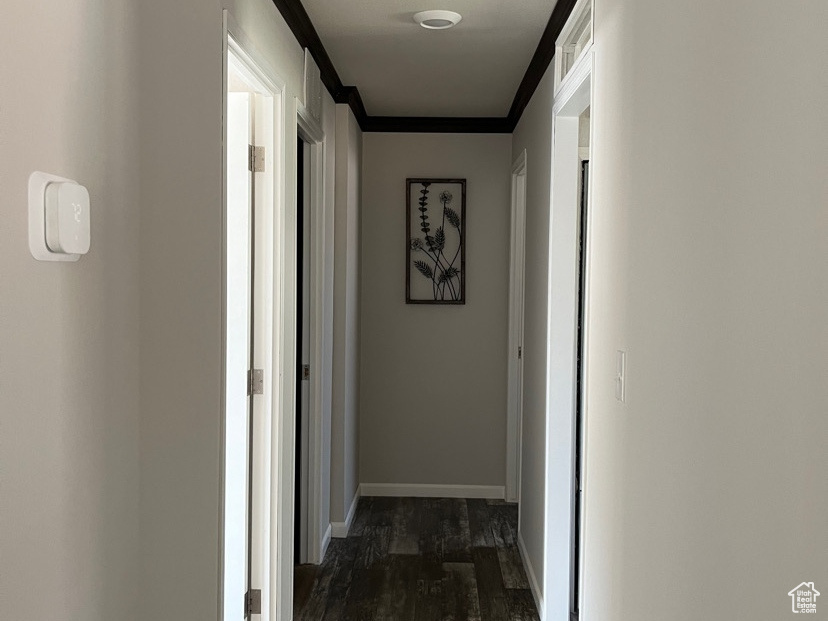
(427, 241)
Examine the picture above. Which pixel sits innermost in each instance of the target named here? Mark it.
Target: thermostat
(59, 218)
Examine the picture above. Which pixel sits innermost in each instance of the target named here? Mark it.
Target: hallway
(153, 463)
(420, 559)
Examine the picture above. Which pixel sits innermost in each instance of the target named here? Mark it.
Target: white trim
(284, 335)
(534, 585)
(339, 530)
(574, 97)
(311, 129)
(578, 11)
(257, 63)
(405, 490)
(576, 17)
(266, 107)
(312, 133)
(519, 167)
(326, 540)
(517, 270)
(570, 88)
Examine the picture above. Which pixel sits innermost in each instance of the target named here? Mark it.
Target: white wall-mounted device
(59, 219)
(621, 376)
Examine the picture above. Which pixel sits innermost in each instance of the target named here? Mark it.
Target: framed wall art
(435, 241)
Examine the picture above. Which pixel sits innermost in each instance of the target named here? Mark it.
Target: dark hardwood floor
(420, 559)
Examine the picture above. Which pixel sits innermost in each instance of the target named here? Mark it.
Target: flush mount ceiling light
(437, 20)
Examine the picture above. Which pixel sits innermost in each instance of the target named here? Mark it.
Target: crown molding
(438, 124)
(350, 95)
(300, 24)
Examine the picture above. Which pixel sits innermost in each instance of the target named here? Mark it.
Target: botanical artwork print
(436, 222)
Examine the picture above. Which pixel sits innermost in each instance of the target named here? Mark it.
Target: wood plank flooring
(420, 559)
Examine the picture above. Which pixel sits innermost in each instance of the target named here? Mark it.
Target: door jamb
(515, 338)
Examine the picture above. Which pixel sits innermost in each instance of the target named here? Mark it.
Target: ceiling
(401, 69)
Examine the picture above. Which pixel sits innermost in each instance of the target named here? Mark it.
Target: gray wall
(534, 134)
(433, 385)
(710, 237)
(329, 127)
(69, 339)
(345, 405)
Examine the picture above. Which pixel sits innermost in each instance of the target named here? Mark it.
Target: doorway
(250, 390)
(314, 299)
(577, 480)
(514, 427)
(303, 312)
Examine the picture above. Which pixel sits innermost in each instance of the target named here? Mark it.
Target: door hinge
(256, 160)
(252, 603)
(255, 382)
(305, 372)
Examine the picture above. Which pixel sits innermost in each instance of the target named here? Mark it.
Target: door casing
(574, 96)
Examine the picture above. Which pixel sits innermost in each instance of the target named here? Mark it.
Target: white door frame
(274, 317)
(311, 132)
(572, 99)
(238, 293)
(517, 272)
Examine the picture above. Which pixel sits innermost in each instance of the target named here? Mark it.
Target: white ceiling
(401, 69)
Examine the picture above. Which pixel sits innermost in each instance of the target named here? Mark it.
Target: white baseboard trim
(533, 579)
(339, 530)
(493, 492)
(326, 540)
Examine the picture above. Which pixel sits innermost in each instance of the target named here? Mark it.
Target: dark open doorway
(577, 487)
(302, 350)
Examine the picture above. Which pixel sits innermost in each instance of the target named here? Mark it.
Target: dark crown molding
(300, 24)
(435, 124)
(350, 95)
